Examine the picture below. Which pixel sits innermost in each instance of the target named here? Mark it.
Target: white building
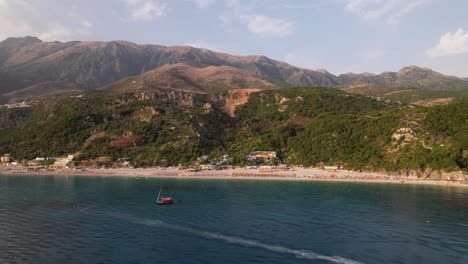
(6, 158)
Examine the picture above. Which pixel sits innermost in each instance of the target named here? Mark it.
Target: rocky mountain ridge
(26, 63)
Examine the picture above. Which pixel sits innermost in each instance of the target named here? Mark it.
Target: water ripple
(235, 240)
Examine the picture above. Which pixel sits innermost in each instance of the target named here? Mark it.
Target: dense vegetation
(308, 126)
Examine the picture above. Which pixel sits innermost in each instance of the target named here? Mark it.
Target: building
(262, 155)
(266, 169)
(330, 168)
(6, 158)
(63, 162)
(270, 169)
(36, 163)
(208, 167)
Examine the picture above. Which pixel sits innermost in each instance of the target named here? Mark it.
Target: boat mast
(159, 194)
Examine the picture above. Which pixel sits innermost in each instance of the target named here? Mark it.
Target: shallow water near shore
(67, 219)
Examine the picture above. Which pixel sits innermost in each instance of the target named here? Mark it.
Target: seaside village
(256, 164)
(39, 163)
(264, 161)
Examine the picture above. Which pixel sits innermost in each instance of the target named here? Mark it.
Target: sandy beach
(295, 174)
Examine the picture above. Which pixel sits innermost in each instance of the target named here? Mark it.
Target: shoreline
(298, 174)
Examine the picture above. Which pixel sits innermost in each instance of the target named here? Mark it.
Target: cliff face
(237, 97)
(174, 98)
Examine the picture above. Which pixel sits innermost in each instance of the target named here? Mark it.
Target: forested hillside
(305, 126)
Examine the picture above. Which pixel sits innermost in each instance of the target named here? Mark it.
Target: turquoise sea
(60, 219)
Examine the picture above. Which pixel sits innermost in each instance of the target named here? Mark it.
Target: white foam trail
(237, 240)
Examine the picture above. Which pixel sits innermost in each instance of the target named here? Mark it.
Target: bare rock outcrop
(237, 97)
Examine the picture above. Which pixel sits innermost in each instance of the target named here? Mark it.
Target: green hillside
(307, 126)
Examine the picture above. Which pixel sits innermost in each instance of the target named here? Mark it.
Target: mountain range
(31, 67)
(151, 105)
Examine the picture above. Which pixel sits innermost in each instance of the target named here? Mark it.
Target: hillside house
(262, 155)
(36, 163)
(6, 158)
(63, 162)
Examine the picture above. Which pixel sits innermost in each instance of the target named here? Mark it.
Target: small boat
(163, 200)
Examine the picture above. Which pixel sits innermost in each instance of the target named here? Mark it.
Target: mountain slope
(308, 126)
(411, 76)
(28, 61)
(94, 64)
(186, 77)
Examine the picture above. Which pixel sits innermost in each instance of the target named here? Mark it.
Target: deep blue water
(46, 219)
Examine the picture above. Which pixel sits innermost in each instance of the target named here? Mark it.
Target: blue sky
(337, 35)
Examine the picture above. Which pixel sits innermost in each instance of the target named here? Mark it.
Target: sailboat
(163, 200)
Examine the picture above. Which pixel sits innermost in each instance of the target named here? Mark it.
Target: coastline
(298, 174)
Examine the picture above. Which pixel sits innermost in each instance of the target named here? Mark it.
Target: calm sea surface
(47, 219)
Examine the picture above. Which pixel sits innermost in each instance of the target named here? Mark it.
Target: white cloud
(244, 12)
(26, 17)
(390, 10)
(146, 10)
(450, 43)
(265, 25)
(202, 4)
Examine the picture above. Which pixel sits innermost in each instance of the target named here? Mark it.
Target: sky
(337, 35)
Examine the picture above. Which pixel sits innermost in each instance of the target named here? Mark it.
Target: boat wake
(236, 240)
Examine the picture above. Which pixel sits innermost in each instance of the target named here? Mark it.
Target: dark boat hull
(164, 203)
